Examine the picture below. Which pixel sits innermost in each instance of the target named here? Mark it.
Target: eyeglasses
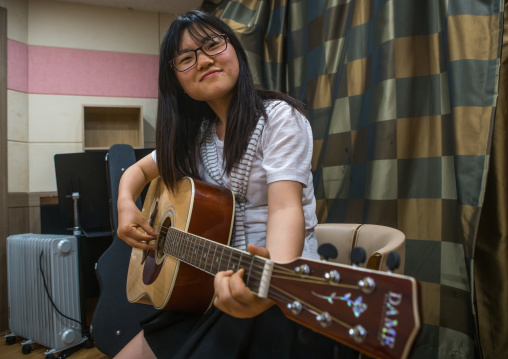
(214, 46)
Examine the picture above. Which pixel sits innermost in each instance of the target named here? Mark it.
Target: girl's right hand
(129, 220)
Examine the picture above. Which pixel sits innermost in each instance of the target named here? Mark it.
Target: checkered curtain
(401, 96)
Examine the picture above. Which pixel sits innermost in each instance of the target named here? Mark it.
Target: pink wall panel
(17, 66)
(62, 71)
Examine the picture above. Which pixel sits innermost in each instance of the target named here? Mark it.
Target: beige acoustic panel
(42, 176)
(58, 118)
(165, 22)
(166, 6)
(17, 20)
(68, 25)
(17, 116)
(17, 166)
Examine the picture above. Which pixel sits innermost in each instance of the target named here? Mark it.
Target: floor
(14, 351)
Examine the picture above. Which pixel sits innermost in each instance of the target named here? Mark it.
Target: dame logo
(389, 322)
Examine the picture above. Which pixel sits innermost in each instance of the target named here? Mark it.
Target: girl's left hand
(233, 297)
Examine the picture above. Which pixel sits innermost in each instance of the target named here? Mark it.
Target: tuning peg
(295, 307)
(324, 319)
(393, 261)
(327, 251)
(358, 333)
(302, 269)
(358, 255)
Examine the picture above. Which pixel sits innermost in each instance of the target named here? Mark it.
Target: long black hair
(179, 117)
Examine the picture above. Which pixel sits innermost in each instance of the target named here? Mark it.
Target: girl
(213, 124)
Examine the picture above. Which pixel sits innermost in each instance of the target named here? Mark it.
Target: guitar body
(163, 281)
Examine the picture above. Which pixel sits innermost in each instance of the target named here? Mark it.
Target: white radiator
(31, 313)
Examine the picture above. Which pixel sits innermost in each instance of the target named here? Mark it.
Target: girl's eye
(214, 43)
(184, 58)
(211, 44)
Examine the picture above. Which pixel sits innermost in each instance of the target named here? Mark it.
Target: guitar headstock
(374, 312)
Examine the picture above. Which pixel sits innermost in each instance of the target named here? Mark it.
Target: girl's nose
(203, 60)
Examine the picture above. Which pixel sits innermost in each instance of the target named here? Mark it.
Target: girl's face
(212, 78)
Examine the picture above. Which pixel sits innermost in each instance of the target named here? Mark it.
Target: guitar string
(318, 280)
(309, 307)
(242, 263)
(313, 311)
(287, 274)
(274, 291)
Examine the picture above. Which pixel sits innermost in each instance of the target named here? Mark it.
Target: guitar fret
(181, 247)
(213, 248)
(186, 247)
(194, 250)
(200, 259)
(175, 245)
(205, 253)
(220, 262)
(208, 256)
(247, 276)
(188, 244)
(187, 239)
(212, 256)
(229, 260)
(213, 259)
(171, 241)
(202, 254)
(171, 244)
(219, 258)
(235, 261)
(198, 251)
(167, 244)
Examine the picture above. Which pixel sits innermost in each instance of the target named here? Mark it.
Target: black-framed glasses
(211, 47)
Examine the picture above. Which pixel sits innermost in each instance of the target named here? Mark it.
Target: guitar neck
(212, 257)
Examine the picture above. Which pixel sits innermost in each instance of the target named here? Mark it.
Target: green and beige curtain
(402, 97)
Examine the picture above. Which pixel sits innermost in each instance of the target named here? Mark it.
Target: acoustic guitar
(373, 312)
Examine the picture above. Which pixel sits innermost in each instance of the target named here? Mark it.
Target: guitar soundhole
(161, 239)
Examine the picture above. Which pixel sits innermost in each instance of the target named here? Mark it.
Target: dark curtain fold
(401, 96)
(491, 255)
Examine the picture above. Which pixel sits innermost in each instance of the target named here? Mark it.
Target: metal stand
(76, 230)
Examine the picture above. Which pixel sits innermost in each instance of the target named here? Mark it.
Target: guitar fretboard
(212, 257)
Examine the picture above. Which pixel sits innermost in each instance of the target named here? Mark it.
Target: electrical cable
(49, 295)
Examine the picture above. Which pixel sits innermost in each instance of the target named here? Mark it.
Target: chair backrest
(378, 241)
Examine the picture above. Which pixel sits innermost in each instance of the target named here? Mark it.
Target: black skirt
(219, 335)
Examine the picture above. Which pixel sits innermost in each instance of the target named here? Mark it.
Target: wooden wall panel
(18, 220)
(4, 322)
